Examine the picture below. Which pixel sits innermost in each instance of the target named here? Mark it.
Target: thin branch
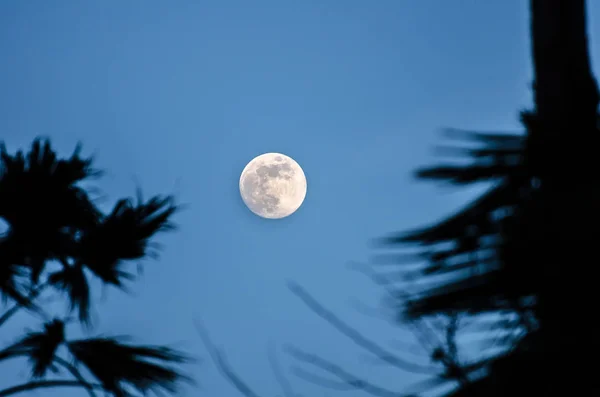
(221, 362)
(284, 383)
(46, 384)
(355, 336)
(343, 375)
(451, 359)
(423, 332)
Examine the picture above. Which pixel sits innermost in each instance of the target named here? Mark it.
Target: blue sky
(177, 96)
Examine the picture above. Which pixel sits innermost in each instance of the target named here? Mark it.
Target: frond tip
(119, 366)
(124, 235)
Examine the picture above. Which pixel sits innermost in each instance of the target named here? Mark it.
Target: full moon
(273, 185)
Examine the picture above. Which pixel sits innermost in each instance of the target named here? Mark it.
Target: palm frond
(52, 218)
(499, 158)
(42, 203)
(35, 186)
(40, 347)
(72, 281)
(118, 366)
(10, 285)
(124, 235)
(465, 248)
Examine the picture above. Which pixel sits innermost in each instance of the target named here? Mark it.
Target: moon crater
(273, 185)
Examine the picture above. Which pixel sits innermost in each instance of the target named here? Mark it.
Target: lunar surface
(273, 185)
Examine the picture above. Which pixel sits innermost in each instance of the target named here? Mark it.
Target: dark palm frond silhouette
(123, 235)
(40, 347)
(117, 365)
(73, 282)
(57, 238)
(42, 203)
(465, 243)
(482, 259)
(522, 246)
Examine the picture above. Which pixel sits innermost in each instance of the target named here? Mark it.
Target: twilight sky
(177, 96)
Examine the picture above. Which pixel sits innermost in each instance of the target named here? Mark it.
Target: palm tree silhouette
(526, 246)
(57, 239)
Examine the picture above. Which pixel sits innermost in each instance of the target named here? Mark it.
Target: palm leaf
(118, 366)
(466, 247)
(10, 274)
(42, 203)
(40, 347)
(124, 235)
(72, 281)
(52, 218)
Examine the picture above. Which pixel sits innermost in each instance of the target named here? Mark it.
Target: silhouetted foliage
(522, 248)
(57, 240)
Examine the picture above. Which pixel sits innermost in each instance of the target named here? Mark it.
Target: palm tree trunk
(564, 85)
(563, 147)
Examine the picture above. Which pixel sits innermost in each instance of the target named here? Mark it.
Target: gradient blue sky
(177, 96)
